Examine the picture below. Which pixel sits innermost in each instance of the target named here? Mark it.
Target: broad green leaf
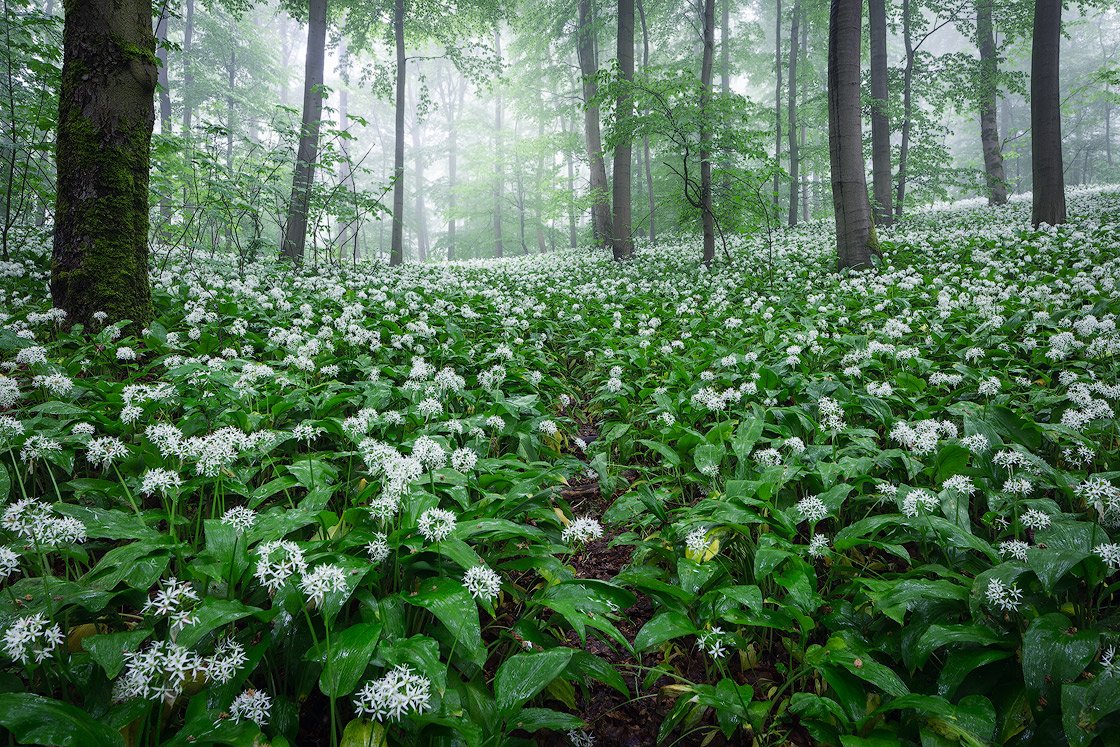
(33, 719)
(522, 676)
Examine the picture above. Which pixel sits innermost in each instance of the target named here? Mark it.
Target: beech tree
(1046, 116)
(855, 235)
(295, 233)
(623, 242)
(106, 115)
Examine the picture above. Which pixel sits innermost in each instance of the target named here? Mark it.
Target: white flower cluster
(581, 531)
(482, 582)
(38, 523)
(400, 692)
(277, 561)
(31, 638)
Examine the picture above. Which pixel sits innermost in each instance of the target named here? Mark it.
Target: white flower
(105, 450)
(157, 672)
(126, 354)
(429, 452)
(1109, 553)
(1015, 548)
(1035, 519)
(398, 693)
(9, 562)
(31, 638)
(697, 541)
(251, 705)
(436, 524)
(174, 599)
(547, 427)
(483, 583)
(581, 531)
(464, 459)
(160, 481)
(818, 546)
(812, 509)
(321, 580)
(378, 549)
(277, 561)
(713, 642)
(918, 500)
(240, 518)
(1003, 597)
(228, 658)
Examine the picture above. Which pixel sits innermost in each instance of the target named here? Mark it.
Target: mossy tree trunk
(105, 119)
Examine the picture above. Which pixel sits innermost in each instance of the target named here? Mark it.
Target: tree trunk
(161, 78)
(645, 138)
(499, 157)
(295, 233)
(538, 189)
(422, 240)
(804, 97)
(452, 167)
(396, 249)
(880, 120)
(707, 216)
(1046, 116)
(794, 184)
(105, 120)
(573, 232)
(725, 47)
(907, 86)
(589, 68)
(188, 72)
(231, 82)
(777, 107)
(622, 220)
(348, 236)
(989, 130)
(855, 235)
(285, 57)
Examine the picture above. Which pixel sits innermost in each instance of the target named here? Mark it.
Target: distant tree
(623, 243)
(105, 121)
(295, 232)
(708, 216)
(589, 69)
(880, 122)
(1046, 116)
(988, 88)
(855, 235)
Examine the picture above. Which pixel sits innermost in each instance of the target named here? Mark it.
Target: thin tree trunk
(349, 233)
(1046, 116)
(622, 220)
(792, 111)
(188, 70)
(105, 122)
(907, 81)
(295, 232)
(880, 120)
(285, 57)
(989, 130)
(231, 83)
(396, 249)
(162, 77)
(499, 157)
(645, 138)
(589, 68)
(777, 107)
(538, 190)
(707, 216)
(804, 97)
(855, 234)
(519, 183)
(452, 166)
(573, 232)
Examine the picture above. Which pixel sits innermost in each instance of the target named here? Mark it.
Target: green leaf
(108, 649)
(535, 719)
(663, 627)
(350, 652)
(522, 676)
(213, 613)
(33, 719)
(453, 606)
(1055, 652)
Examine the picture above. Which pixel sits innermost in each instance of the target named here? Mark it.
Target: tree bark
(105, 121)
(573, 233)
(188, 71)
(452, 168)
(804, 97)
(855, 236)
(499, 157)
(349, 233)
(422, 239)
(777, 107)
(1046, 116)
(622, 219)
(707, 216)
(589, 68)
(907, 103)
(295, 232)
(396, 248)
(989, 130)
(880, 120)
(231, 82)
(794, 184)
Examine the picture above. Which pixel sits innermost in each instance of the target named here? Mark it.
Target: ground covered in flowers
(556, 500)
